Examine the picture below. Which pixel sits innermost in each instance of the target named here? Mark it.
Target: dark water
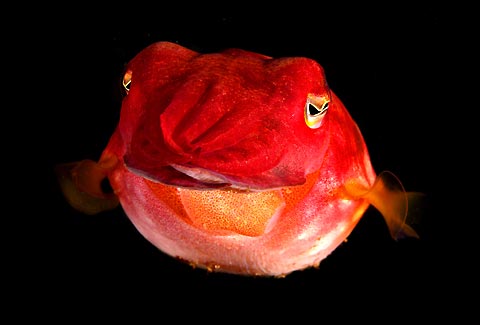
(381, 67)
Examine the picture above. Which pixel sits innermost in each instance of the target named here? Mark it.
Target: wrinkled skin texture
(220, 161)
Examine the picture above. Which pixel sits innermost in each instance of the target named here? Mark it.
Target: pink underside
(301, 238)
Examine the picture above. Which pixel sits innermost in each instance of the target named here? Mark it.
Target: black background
(389, 69)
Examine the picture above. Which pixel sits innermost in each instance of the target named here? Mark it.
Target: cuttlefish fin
(81, 184)
(389, 197)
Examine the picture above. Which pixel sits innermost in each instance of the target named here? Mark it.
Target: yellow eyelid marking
(315, 109)
(127, 80)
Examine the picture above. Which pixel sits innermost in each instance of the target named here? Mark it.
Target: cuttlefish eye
(127, 80)
(315, 109)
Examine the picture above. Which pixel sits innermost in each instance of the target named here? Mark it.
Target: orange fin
(397, 206)
(81, 182)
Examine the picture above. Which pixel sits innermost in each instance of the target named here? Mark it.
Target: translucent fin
(389, 197)
(81, 184)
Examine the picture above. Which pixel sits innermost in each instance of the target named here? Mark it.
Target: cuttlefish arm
(389, 197)
(81, 184)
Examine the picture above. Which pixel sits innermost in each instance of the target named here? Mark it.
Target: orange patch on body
(295, 194)
(246, 213)
(170, 196)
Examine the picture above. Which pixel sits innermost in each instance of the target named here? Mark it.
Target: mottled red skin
(240, 115)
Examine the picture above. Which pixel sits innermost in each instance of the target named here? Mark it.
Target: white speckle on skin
(325, 241)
